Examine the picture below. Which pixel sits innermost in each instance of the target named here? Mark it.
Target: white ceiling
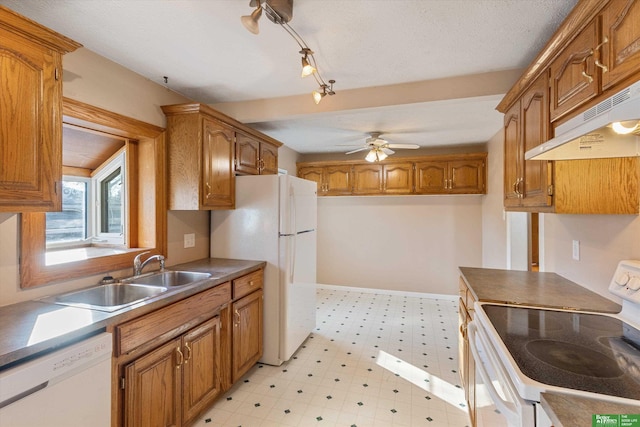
(387, 57)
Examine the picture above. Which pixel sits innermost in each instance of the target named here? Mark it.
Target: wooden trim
(25, 27)
(197, 108)
(581, 15)
(147, 201)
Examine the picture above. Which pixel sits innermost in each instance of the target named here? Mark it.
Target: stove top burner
(574, 358)
(573, 350)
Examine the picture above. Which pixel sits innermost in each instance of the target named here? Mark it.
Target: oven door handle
(508, 409)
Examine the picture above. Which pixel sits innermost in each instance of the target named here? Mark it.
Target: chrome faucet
(138, 264)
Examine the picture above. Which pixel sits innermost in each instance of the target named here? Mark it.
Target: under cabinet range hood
(609, 129)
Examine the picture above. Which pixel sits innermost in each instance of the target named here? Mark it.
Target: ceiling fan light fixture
(381, 155)
(371, 156)
(250, 22)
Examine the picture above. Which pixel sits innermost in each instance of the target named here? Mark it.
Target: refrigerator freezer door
(298, 205)
(298, 289)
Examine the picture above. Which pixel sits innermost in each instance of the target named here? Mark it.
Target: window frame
(88, 215)
(97, 180)
(147, 220)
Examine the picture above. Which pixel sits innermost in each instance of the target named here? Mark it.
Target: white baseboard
(389, 292)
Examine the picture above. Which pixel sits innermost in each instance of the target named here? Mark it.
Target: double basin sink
(115, 296)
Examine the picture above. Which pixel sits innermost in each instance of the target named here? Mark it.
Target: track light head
(250, 22)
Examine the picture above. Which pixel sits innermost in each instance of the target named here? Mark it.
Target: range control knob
(622, 279)
(634, 283)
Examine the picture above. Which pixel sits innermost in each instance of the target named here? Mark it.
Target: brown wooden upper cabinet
(465, 175)
(332, 180)
(254, 157)
(205, 150)
(575, 78)
(620, 42)
(31, 115)
(594, 54)
(443, 174)
(527, 183)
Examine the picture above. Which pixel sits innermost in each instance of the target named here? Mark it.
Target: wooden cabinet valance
(443, 174)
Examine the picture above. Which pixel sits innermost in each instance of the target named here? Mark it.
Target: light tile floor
(373, 360)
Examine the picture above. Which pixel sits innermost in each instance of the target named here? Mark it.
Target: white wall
(604, 241)
(494, 229)
(404, 243)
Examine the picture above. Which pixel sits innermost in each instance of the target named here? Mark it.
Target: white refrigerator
(275, 220)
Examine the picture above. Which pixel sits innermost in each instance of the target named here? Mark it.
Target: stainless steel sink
(169, 278)
(109, 297)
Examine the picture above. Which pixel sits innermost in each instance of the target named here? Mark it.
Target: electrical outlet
(576, 250)
(189, 240)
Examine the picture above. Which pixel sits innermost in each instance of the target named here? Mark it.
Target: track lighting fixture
(280, 12)
(326, 90)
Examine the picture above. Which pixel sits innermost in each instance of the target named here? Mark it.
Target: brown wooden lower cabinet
(171, 385)
(247, 333)
(173, 363)
(465, 358)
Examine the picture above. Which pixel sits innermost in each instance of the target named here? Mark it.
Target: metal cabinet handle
(186, 346)
(180, 358)
(599, 50)
(584, 73)
(237, 322)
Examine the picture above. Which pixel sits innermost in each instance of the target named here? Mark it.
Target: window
(112, 210)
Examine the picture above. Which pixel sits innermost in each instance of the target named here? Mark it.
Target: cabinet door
(31, 125)
(535, 131)
(313, 174)
(574, 75)
(201, 368)
(247, 155)
(621, 53)
(268, 159)
(247, 333)
(367, 179)
(431, 177)
(338, 180)
(218, 178)
(467, 176)
(398, 178)
(512, 155)
(152, 388)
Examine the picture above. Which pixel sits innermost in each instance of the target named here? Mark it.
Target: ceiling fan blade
(387, 151)
(404, 146)
(359, 149)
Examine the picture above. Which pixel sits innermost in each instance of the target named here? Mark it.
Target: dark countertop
(32, 327)
(547, 290)
(567, 410)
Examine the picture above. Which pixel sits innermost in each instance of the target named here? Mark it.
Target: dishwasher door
(67, 388)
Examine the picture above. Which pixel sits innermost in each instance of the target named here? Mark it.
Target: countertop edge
(28, 312)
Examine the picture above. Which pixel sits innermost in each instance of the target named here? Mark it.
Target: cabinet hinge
(122, 383)
(57, 74)
(550, 190)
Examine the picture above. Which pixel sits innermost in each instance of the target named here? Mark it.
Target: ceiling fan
(380, 149)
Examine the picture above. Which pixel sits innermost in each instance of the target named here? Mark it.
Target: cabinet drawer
(246, 284)
(166, 322)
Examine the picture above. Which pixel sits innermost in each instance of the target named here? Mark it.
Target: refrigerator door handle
(292, 223)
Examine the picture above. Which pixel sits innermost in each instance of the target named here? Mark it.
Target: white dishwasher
(69, 387)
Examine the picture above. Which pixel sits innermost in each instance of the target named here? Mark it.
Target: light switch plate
(576, 250)
(189, 240)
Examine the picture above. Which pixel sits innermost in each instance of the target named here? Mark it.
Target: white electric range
(522, 351)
